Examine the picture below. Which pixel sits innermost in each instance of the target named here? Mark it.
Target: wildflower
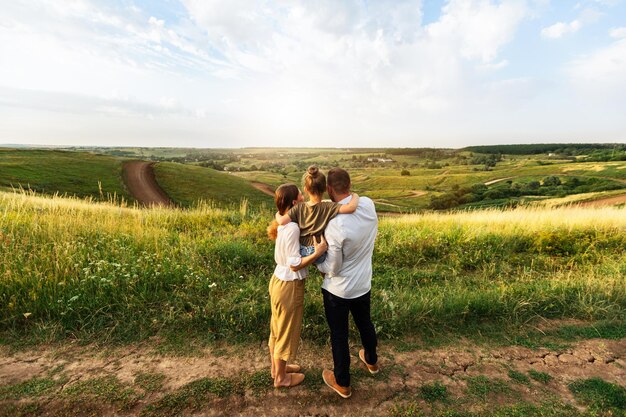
(212, 285)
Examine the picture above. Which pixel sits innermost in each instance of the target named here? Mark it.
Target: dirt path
(609, 201)
(498, 180)
(404, 371)
(141, 183)
(265, 188)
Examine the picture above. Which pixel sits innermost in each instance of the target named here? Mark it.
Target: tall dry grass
(70, 267)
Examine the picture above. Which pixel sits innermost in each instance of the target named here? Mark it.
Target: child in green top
(313, 216)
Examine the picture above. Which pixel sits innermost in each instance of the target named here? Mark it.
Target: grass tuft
(34, 387)
(481, 387)
(539, 376)
(434, 392)
(191, 396)
(108, 389)
(599, 395)
(518, 377)
(150, 381)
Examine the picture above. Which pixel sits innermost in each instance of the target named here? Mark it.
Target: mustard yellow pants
(287, 301)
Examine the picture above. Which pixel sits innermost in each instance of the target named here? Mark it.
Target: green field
(189, 184)
(126, 274)
(106, 306)
(50, 171)
(433, 179)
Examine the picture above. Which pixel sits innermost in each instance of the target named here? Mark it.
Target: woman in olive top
(286, 290)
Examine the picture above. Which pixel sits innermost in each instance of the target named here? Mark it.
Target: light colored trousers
(287, 301)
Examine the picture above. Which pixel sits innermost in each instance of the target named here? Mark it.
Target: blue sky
(230, 73)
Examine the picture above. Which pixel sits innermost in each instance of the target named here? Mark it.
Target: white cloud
(587, 17)
(618, 32)
(560, 29)
(273, 72)
(602, 74)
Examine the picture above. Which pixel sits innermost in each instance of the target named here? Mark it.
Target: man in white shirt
(348, 281)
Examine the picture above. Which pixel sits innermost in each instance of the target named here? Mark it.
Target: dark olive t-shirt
(312, 220)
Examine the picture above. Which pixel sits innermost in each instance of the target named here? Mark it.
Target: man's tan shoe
(372, 368)
(329, 379)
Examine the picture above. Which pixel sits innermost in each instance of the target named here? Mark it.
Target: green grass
(20, 410)
(71, 173)
(191, 396)
(600, 395)
(150, 381)
(518, 377)
(187, 184)
(258, 382)
(34, 387)
(107, 389)
(521, 409)
(482, 387)
(434, 392)
(78, 172)
(104, 272)
(539, 376)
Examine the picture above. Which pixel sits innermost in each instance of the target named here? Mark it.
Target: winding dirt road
(141, 183)
(264, 188)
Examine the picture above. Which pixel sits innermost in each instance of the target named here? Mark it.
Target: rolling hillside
(188, 184)
(63, 172)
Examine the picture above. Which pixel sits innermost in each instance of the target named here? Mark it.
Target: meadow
(63, 172)
(410, 181)
(107, 308)
(98, 271)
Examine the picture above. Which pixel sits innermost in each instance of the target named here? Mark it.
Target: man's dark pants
(337, 309)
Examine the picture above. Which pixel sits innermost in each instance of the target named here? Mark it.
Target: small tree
(551, 181)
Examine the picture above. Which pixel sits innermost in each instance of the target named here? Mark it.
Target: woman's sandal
(294, 379)
(290, 369)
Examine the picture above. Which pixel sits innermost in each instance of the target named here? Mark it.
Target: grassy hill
(414, 180)
(63, 172)
(97, 270)
(188, 184)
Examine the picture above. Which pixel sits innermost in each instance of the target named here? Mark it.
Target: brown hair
(284, 197)
(339, 180)
(314, 181)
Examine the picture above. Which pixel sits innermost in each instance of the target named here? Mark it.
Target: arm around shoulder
(351, 206)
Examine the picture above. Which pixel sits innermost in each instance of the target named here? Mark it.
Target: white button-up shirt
(350, 237)
(287, 253)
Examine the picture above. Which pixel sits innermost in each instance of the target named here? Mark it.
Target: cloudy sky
(230, 73)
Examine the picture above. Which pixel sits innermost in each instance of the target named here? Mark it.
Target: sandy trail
(263, 187)
(609, 201)
(498, 180)
(403, 373)
(142, 184)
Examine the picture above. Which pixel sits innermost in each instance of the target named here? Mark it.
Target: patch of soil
(402, 375)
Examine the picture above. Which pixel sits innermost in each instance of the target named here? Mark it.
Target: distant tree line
(567, 149)
(549, 186)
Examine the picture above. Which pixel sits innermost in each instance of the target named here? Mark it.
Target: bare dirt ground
(403, 373)
(141, 183)
(265, 188)
(609, 201)
(498, 180)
